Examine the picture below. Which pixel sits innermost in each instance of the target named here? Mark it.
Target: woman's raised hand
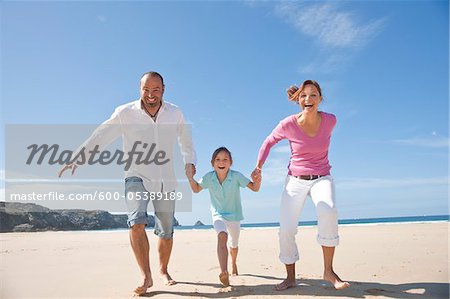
(291, 92)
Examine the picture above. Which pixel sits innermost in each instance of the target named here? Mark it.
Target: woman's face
(222, 162)
(310, 98)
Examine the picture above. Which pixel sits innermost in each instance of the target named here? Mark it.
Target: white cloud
(328, 65)
(282, 149)
(435, 141)
(329, 25)
(381, 183)
(274, 171)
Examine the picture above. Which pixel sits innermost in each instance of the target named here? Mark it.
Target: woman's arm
(277, 134)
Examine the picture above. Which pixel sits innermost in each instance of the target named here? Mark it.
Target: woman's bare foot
(167, 279)
(224, 278)
(142, 289)
(234, 271)
(335, 280)
(286, 284)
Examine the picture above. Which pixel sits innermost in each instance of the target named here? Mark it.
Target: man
(147, 112)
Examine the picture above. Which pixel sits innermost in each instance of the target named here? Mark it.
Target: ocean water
(432, 218)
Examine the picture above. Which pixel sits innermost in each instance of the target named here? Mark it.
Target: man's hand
(71, 166)
(190, 170)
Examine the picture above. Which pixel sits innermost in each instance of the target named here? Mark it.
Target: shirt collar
(227, 178)
(138, 106)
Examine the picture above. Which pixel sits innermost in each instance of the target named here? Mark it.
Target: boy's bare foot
(224, 278)
(234, 271)
(286, 284)
(142, 289)
(335, 280)
(167, 279)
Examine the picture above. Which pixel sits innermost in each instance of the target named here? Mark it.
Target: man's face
(152, 91)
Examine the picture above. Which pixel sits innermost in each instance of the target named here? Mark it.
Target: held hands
(190, 171)
(256, 175)
(291, 93)
(71, 166)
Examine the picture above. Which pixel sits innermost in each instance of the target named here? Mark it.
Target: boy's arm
(254, 186)
(195, 186)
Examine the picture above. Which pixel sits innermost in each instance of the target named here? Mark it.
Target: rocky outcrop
(20, 217)
(198, 223)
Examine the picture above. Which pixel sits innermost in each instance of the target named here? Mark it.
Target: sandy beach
(408, 260)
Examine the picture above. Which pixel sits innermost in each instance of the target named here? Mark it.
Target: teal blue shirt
(225, 197)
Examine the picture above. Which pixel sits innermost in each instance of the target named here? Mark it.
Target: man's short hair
(153, 74)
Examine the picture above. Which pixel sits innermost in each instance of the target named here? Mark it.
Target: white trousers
(232, 228)
(293, 198)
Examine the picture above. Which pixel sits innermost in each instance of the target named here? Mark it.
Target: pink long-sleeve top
(309, 155)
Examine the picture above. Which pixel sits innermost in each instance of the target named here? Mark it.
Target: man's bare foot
(234, 271)
(286, 284)
(332, 277)
(167, 279)
(142, 289)
(224, 278)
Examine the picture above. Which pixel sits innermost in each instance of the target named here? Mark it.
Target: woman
(309, 135)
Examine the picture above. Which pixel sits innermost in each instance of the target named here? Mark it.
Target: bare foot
(167, 279)
(224, 278)
(286, 284)
(335, 280)
(142, 289)
(234, 271)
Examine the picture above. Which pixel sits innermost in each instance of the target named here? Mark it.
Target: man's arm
(185, 141)
(103, 135)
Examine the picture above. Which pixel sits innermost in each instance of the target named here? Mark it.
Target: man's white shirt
(132, 123)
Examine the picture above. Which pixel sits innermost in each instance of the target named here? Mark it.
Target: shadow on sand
(315, 287)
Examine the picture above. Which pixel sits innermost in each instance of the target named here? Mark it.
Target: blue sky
(383, 67)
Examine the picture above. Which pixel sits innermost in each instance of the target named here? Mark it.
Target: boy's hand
(256, 175)
(190, 170)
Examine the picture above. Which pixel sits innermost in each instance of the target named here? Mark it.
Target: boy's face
(222, 162)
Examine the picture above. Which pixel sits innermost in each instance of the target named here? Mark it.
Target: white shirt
(133, 124)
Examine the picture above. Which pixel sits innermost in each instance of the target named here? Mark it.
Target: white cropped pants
(293, 198)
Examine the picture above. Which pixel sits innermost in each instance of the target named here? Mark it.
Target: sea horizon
(351, 221)
(346, 222)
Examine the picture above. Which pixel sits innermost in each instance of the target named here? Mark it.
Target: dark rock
(16, 207)
(198, 223)
(23, 228)
(15, 217)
